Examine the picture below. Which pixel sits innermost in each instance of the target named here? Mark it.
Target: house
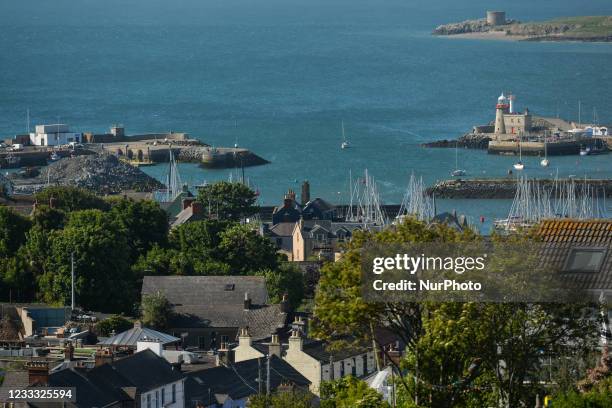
(321, 239)
(582, 251)
(209, 310)
(281, 235)
(54, 135)
(311, 358)
(290, 211)
(192, 211)
(231, 384)
(142, 380)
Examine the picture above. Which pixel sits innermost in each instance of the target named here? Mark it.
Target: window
(157, 399)
(163, 396)
(148, 400)
(213, 340)
(229, 287)
(279, 242)
(585, 260)
(341, 369)
(224, 339)
(173, 393)
(202, 342)
(354, 367)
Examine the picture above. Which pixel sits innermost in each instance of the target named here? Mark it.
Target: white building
(54, 135)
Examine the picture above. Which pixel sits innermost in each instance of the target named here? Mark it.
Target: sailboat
(457, 172)
(545, 162)
(345, 143)
(520, 165)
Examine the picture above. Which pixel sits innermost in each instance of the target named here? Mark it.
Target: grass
(586, 26)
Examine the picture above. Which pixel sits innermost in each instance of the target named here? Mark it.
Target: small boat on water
(519, 165)
(585, 151)
(457, 172)
(345, 143)
(545, 162)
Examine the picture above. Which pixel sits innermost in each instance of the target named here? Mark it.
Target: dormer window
(585, 260)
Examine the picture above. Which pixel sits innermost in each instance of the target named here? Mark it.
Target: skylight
(585, 260)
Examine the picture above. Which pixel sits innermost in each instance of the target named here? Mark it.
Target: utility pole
(268, 376)
(72, 278)
(259, 376)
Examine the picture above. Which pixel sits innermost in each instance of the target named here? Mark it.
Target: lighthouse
(500, 109)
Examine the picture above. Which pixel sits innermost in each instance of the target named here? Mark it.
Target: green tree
(14, 271)
(156, 311)
(286, 279)
(103, 278)
(228, 201)
(71, 199)
(13, 229)
(115, 323)
(48, 218)
(295, 399)
(350, 392)
(145, 223)
(246, 251)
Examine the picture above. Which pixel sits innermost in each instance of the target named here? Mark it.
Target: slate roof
(282, 229)
(207, 290)
(561, 236)
(102, 386)
(130, 338)
(238, 381)
(187, 215)
(13, 380)
(218, 301)
(318, 350)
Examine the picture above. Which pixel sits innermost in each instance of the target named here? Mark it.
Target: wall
(155, 396)
(307, 366)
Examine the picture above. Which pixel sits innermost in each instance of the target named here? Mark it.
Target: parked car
(17, 147)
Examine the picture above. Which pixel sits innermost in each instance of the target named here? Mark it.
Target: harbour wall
(506, 188)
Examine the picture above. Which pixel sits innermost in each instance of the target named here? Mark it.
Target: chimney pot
(247, 301)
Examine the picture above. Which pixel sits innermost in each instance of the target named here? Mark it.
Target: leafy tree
(13, 229)
(48, 218)
(115, 323)
(246, 251)
(71, 199)
(228, 201)
(287, 279)
(156, 311)
(103, 278)
(145, 223)
(296, 399)
(349, 392)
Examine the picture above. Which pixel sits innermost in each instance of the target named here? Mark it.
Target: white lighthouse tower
(501, 108)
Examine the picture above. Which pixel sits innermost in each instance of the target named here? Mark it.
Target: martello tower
(501, 108)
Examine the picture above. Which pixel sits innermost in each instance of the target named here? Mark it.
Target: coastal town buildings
(54, 135)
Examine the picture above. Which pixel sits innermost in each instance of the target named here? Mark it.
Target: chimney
(290, 195)
(224, 356)
(295, 341)
(284, 304)
(274, 348)
(102, 357)
(137, 324)
(287, 203)
(245, 339)
(187, 202)
(305, 192)
(247, 301)
(197, 208)
(38, 373)
(69, 352)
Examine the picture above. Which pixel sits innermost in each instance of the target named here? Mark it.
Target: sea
(280, 76)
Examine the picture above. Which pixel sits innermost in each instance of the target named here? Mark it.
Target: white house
(54, 135)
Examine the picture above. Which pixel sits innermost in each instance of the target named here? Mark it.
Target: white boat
(520, 165)
(585, 151)
(457, 172)
(545, 162)
(345, 143)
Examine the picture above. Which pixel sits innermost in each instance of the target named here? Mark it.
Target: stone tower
(500, 109)
(496, 18)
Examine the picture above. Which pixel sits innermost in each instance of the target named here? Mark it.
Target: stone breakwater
(103, 174)
(469, 141)
(503, 188)
(469, 26)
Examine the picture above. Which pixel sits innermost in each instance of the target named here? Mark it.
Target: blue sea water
(279, 76)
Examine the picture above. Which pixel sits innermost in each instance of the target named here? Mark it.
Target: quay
(56, 141)
(505, 188)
